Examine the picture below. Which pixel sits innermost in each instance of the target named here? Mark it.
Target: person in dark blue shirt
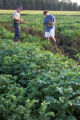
(49, 23)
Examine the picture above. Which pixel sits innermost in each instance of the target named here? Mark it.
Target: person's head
(46, 13)
(19, 9)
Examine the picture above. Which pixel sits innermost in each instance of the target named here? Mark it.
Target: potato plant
(37, 84)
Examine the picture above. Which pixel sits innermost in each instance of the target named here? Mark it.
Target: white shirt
(16, 14)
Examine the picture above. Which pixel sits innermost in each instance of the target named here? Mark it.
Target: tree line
(40, 4)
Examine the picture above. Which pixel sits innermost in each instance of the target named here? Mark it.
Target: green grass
(41, 12)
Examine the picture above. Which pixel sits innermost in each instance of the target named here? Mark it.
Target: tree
(1, 4)
(39, 4)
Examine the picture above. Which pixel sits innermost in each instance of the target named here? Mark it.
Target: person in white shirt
(17, 20)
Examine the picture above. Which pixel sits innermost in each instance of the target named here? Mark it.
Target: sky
(78, 1)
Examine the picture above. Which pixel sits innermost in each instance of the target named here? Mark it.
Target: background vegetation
(36, 83)
(40, 4)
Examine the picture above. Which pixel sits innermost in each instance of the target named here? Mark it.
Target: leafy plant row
(36, 84)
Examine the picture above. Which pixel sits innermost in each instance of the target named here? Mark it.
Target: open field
(36, 81)
(41, 12)
(67, 28)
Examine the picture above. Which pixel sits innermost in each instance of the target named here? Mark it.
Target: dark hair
(19, 7)
(45, 11)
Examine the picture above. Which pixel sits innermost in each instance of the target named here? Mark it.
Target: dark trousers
(17, 31)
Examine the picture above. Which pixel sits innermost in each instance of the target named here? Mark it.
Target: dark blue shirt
(48, 20)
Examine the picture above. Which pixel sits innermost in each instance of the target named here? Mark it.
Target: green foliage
(13, 101)
(5, 34)
(36, 84)
(43, 84)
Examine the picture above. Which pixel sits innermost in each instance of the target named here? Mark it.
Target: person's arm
(15, 18)
(19, 19)
(48, 25)
(22, 21)
(44, 23)
(53, 23)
